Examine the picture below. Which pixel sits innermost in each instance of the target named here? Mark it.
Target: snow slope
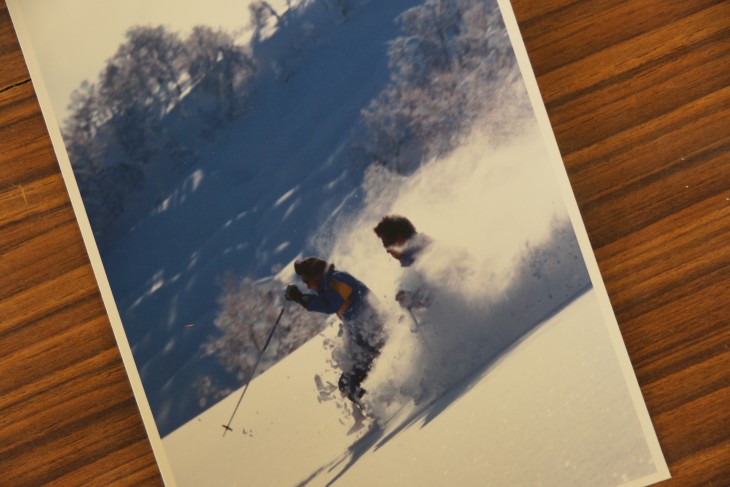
(553, 411)
(544, 399)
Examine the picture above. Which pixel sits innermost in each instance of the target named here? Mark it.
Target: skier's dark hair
(311, 267)
(392, 227)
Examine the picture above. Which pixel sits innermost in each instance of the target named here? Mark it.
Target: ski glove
(420, 298)
(293, 293)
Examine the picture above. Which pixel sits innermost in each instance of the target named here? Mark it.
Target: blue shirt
(339, 293)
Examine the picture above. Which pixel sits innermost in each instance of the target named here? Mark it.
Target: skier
(433, 290)
(337, 292)
(400, 238)
(405, 244)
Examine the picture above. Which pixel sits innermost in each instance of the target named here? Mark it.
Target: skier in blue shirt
(337, 292)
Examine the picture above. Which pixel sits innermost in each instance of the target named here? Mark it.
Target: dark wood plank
(14, 71)
(68, 415)
(639, 96)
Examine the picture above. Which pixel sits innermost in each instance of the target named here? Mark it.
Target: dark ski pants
(349, 383)
(364, 354)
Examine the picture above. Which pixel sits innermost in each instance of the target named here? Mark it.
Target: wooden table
(638, 92)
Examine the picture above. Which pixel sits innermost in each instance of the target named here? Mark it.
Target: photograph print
(337, 244)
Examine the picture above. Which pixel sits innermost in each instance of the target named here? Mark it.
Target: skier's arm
(330, 301)
(420, 298)
(415, 291)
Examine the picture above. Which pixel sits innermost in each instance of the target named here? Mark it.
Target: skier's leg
(349, 383)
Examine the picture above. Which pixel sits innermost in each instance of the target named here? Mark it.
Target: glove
(414, 299)
(292, 293)
(405, 299)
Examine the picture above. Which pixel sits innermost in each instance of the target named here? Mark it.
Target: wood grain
(67, 413)
(638, 93)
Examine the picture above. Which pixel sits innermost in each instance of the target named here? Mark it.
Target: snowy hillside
(297, 173)
(248, 207)
(553, 411)
(527, 373)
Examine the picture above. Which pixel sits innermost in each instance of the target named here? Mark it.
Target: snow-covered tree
(126, 120)
(247, 313)
(451, 66)
(220, 69)
(145, 72)
(260, 11)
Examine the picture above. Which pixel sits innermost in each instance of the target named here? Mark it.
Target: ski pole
(227, 427)
(418, 328)
(413, 317)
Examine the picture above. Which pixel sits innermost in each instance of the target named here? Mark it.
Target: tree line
(452, 66)
(117, 126)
